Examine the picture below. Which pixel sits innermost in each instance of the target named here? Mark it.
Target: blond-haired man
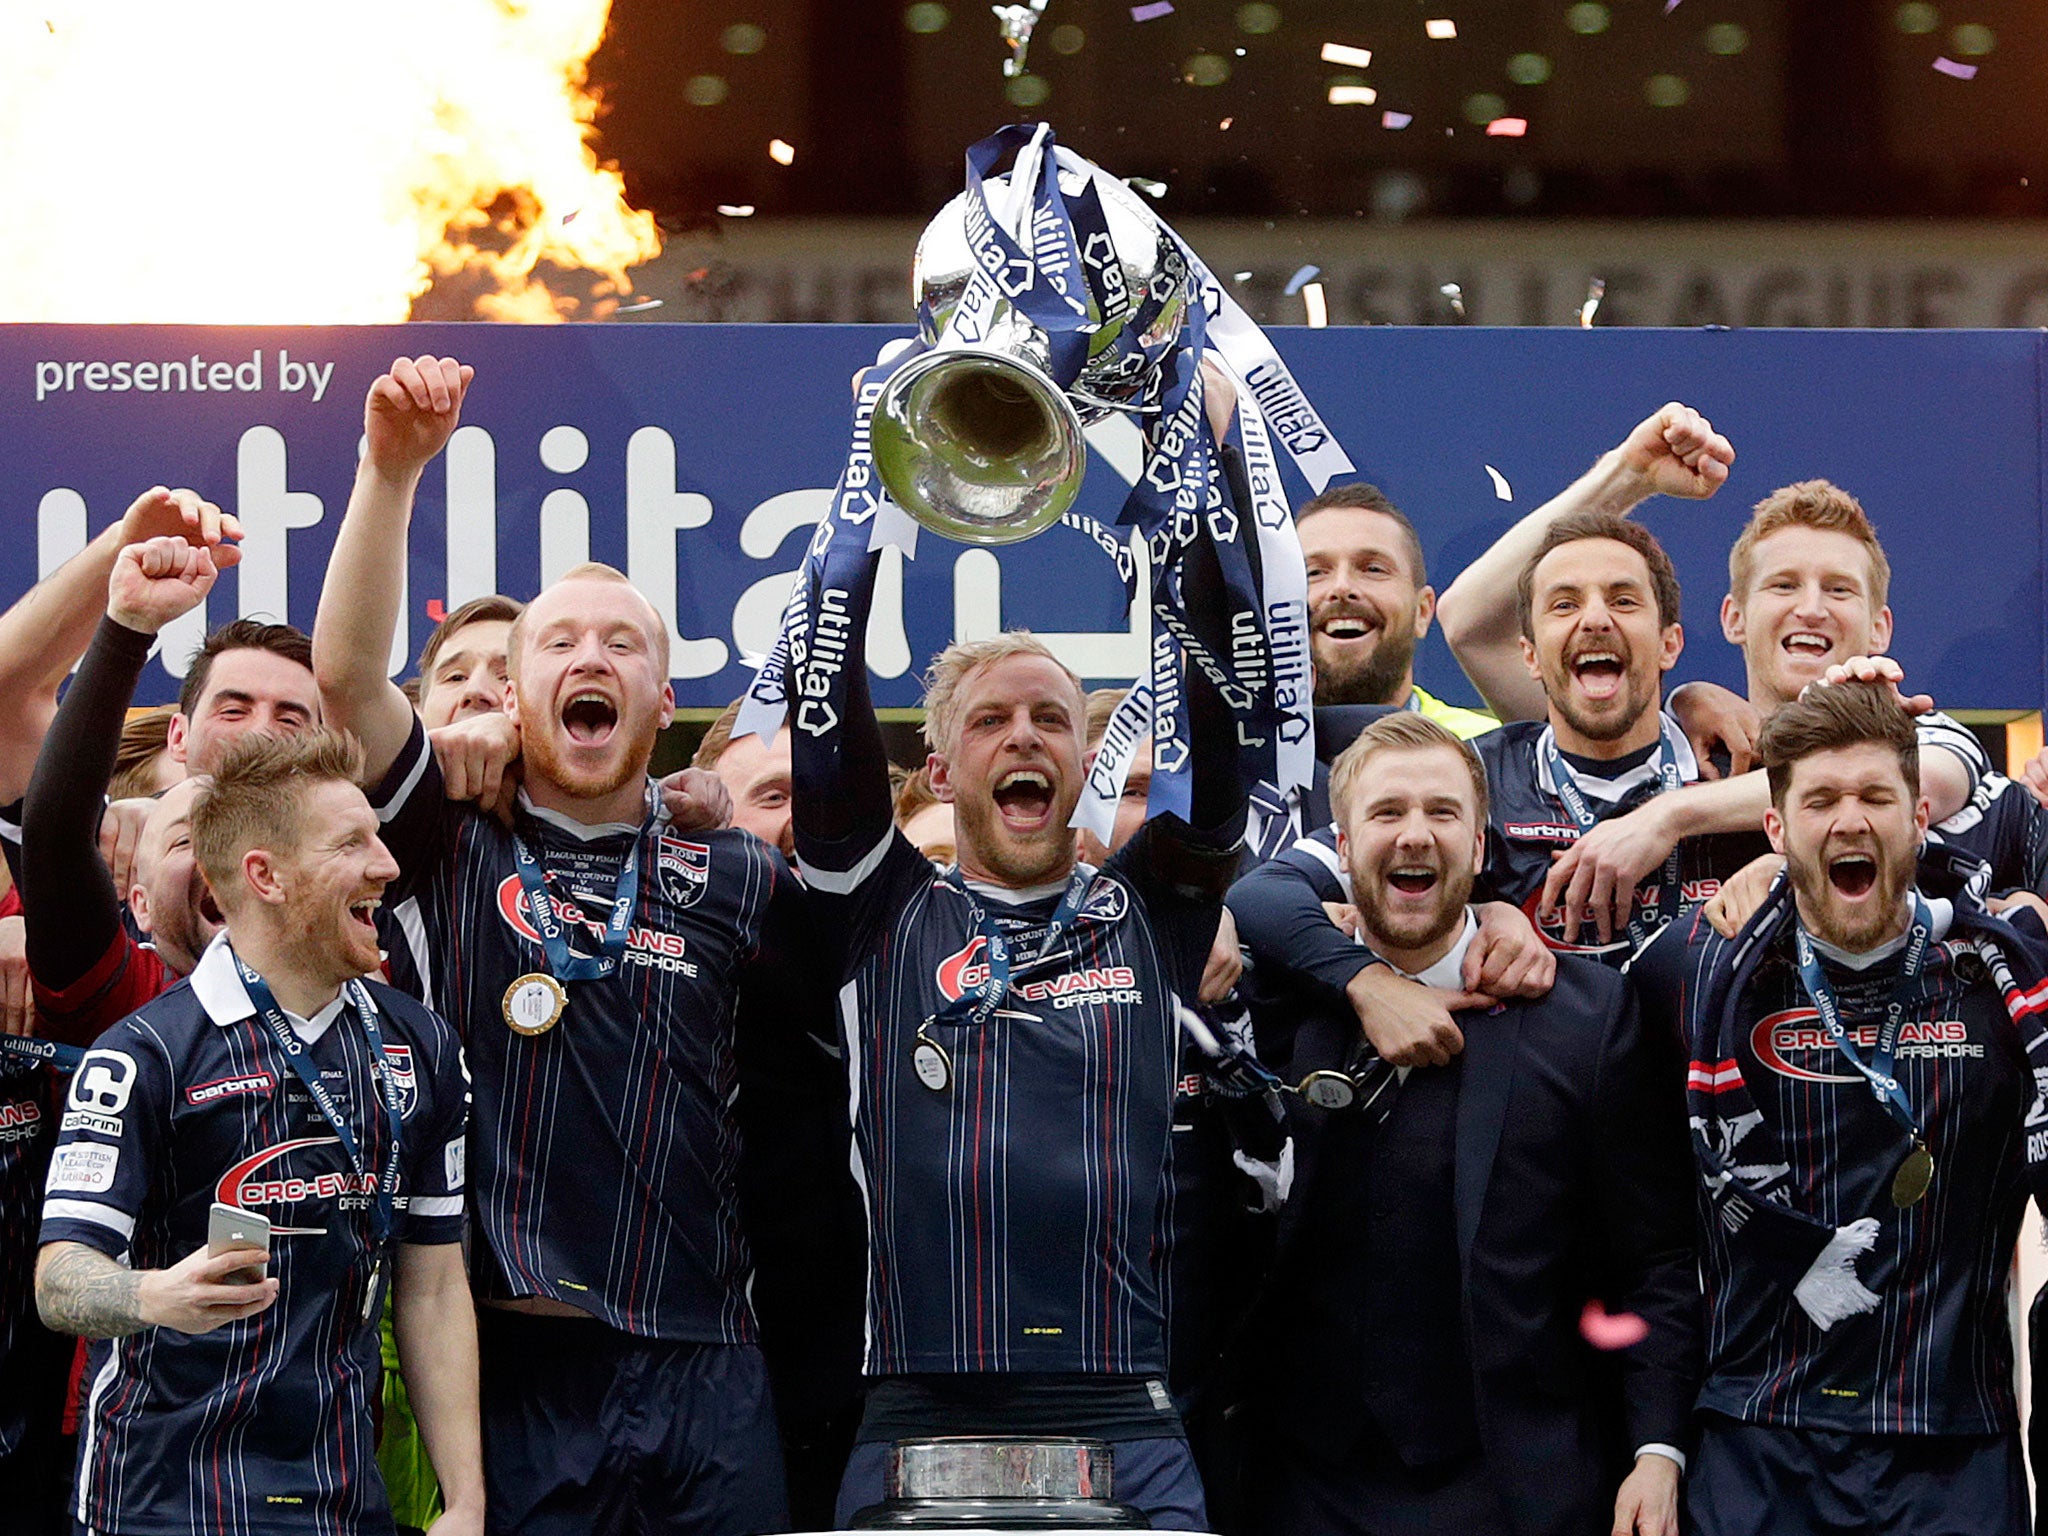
(1013, 1047)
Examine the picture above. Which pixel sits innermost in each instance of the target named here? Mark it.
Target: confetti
(637, 306)
(1225, 124)
(1456, 295)
(1152, 12)
(782, 152)
(1670, 6)
(1610, 1331)
(1507, 127)
(1442, 29)
(1240, 277)
(1500, 484)
(1596, 290)
(436, 610)
(1015, 24)
(1318, 309)
(1340, 53)
(1954, 70)
(570, 216)
(1396, 119)
(1152, 189)
(1301, 279)
(737, 210)
(1353, 95)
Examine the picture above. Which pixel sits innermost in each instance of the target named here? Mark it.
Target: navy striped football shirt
(265, 1424)
(605, 1151)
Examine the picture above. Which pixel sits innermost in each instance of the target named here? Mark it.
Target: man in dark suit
(1424, 1356)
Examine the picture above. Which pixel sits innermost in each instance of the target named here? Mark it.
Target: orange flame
(258, 162)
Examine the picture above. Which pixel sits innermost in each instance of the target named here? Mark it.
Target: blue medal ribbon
(42, 1053)
(1878, 1071)
(978, 1005)
(274, 1020)
(1566, 787)
(563, 964)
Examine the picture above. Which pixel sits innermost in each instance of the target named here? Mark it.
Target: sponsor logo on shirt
(265, 1178)
(965, 971)
(20, 1119)
(1793, 1044)
(1542, 831)
(644, 946)
(228, 1087)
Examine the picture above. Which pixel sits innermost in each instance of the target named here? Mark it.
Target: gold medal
(1909, 1184)
(928, 1059)
(534, 1003)
(1328, 1090)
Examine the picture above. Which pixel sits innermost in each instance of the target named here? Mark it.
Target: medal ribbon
(979, 1005)
(1566, 787)
(564, 965)
(1878, 1071)
(295, 1054)
(51, 1053)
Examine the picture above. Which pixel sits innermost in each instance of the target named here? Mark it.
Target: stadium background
(1581, 168)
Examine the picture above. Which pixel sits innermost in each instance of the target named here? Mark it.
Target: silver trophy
(1001, 1483)
(975, 440)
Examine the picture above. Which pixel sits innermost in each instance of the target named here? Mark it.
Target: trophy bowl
(977, 440)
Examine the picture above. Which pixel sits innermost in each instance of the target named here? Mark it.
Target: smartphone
(229, 1227)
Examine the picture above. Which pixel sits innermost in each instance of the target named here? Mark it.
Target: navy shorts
(1157, 1476)
(1761, 1480)
(590, 1432)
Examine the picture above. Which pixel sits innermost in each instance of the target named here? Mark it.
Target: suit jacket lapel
(1492, 1043)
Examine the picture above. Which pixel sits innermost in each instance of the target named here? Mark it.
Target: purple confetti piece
(1670, 6)
(1396, 119)
(1305, 275)
(1956, 71)
(1153, 11)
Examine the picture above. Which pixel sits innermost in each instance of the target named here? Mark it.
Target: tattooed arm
(80, 1290)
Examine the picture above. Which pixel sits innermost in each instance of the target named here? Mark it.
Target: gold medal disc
(534, 1004)
(1328, 1090)
(1916, 1173)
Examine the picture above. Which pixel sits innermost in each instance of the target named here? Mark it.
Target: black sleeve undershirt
(73, 910)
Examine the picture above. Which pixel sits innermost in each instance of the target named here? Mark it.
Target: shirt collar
(587, 832)
(1940, 912)
(1023, 896)
(1448, 973)
(217, 983)
(1617, 789)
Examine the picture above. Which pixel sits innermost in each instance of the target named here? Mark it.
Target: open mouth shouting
(1852, 874)
(209, 909)
(1024, 800)
(364, 913)
(589, 718)
(1599, 672)
(1414, 879)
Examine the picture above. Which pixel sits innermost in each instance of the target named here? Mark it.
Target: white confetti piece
(1343, 53)
(1500, 484)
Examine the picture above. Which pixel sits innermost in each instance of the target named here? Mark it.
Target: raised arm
(73, 910)
(1676, 452)
(43, 635)
(407, 419)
